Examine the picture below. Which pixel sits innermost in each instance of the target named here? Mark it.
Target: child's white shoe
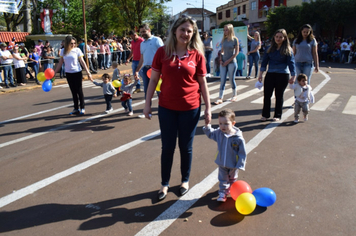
(222, 197)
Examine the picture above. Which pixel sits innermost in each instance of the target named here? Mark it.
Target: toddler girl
(127, 88)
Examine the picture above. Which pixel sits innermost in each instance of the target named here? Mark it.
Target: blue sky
(179, 5)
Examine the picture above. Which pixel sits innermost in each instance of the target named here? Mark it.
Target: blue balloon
(47, 85)
(265, 197)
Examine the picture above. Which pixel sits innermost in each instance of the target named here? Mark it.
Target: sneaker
(130, 113)
(296, 121)
(306, 118)
(108, 111)
(0, 87)
(208, 75)
(222, 197)
(141, 116)
(82, 111)
(74, 112)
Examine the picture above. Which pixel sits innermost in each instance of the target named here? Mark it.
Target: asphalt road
(99, 174)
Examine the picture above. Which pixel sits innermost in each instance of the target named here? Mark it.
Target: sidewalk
(31, 84)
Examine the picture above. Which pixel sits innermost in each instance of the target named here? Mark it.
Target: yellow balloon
(158, 87)
(41, 77)
(245, 203)
(116, 84)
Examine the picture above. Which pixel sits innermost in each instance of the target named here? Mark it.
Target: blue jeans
(173, 124)
(253, 58)
(305, 68)
(63, 71)
(118, 59)
(238, 72)
(35, 68)
(208, 55)
(108, 99)
(109, 60)
(101, 58)
(123, 57)
(8, 75)
(127, 104)
(47, 65)
(224, 71)
(134, 66)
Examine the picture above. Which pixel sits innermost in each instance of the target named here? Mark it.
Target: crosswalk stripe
(227, 91)
(325, 102)
(350, 107)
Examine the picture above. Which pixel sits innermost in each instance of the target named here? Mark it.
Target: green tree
(282, 17)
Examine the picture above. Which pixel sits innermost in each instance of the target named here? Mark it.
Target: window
(227, 13)
(253, 5)
(244, 9)
(238, 10)
(220, 15)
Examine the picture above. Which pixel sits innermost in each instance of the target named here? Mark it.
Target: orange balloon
(238, 188)
(49, 73)
(149, 72)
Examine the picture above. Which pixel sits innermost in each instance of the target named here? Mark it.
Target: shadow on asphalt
(106, 213)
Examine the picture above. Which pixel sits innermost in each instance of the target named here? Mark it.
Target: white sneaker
(141, 116)
(108, 111)
(130, 113)
(0, 87)
(296, 121)
(208, 75)
(306, 118)
(221, 198)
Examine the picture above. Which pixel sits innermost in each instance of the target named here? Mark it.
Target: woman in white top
(20, 68)
(73, 60)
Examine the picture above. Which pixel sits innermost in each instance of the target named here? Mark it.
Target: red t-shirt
(180, 89)
(135, 47)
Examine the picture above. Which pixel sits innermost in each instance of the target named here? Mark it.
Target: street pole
(85, 34)
(202, 16)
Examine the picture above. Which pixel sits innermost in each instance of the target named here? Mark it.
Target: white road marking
(350, 107)
(325, 102)
(227, 91)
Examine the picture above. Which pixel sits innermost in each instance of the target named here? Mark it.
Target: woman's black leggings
(75, 85)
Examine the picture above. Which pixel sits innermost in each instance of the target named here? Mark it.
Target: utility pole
(202, 16)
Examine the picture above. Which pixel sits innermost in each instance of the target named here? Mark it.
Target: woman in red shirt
(181, 65)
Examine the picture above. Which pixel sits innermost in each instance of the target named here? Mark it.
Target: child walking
(231, 154)
(108, 90)
(241, 62)
(303, 96)
(127, 88)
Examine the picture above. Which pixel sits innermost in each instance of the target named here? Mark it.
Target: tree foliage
(328, 15)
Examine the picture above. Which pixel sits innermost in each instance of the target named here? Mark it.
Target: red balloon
(49, 73)
(149, 71)
(238, 188)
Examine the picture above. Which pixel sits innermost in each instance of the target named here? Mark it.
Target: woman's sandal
(161, 194)
(219, 101)
(234, 99)
(276, 119)
(263, 118)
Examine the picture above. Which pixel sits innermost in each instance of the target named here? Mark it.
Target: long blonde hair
(285, 48)
(67, 44)
(231, 34)
(195, 42)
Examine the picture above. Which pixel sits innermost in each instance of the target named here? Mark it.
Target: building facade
(235, 10)
(203, 18)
